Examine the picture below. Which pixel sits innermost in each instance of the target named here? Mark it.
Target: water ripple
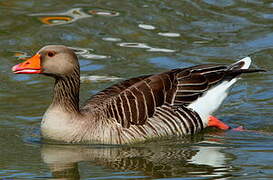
(94, 78)
(146, 26)
(169, 34)
(69, 16)
(104, 13)
(111, 39)
(20, 55)
(86, 53)
(134, 45)
(145, 46)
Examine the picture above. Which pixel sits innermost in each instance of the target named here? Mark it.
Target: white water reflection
(146, 26)
(210, 156)
(145, 46)
(111, 39)
(161, 50)
(134, 45)
(95, 78)
(86, 53)
(169, 34)
(104, 13)
(94, 56)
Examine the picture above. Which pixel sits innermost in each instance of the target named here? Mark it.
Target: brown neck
(66, 91)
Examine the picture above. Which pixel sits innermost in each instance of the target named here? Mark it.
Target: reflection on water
(146, 26)
(111, 39)
(69, 16)
(20, 55)
(103, 13)
(86, 53)
(145, 46)
(169, 34)
(152, 160)
(56, 20)
(85, 78)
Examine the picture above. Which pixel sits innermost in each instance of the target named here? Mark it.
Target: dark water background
(122, 39)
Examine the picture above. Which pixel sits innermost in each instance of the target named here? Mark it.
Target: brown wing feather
(112, 91)
(133, 101)
(193, 82)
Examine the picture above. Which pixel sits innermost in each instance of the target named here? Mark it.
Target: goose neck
(66, 92)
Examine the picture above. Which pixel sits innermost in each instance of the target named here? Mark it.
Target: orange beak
(30, 66)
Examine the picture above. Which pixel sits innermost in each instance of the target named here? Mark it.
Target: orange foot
(214, 122)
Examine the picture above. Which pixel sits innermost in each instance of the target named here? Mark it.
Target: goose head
(51, 60)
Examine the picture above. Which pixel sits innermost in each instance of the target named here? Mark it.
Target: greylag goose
(178, 102)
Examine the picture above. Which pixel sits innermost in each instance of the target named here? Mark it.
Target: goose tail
(211, 100)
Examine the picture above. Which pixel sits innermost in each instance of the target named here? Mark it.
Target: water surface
(117, 40)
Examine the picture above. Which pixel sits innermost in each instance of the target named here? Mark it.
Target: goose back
(163, 96)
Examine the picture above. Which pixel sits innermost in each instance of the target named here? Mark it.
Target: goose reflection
(157, 160)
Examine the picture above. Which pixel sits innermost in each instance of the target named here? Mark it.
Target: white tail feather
(247, 61)
(210, 101)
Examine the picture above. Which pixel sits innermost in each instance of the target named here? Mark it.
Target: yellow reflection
(21, 55)
(54, 19)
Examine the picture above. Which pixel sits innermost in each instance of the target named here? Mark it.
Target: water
(117, 40)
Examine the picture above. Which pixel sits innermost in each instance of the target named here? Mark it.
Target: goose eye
(51, 54)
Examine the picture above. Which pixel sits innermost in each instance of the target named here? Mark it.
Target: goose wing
(112, 91)
(133, 101)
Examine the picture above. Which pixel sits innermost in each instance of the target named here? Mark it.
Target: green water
(123, 39)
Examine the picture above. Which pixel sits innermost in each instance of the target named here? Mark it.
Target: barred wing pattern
(162, 97)
(193, 82)
(104, 96)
